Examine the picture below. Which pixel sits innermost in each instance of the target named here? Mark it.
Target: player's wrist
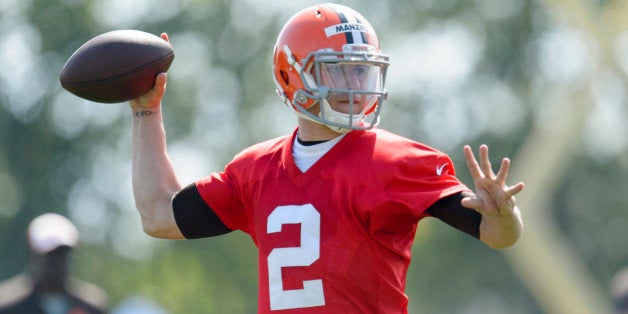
(145, 113)
(141, 112)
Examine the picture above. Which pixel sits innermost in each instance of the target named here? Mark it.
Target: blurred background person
(46, 285)
(619, 291)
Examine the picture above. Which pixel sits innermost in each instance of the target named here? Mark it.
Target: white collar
(306, 155)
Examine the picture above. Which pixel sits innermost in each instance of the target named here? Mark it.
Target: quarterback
(332, 207)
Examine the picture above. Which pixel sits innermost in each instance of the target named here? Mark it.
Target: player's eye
(361, 70)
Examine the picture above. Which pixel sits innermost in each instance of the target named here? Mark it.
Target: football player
(47, 284)
(333, 207)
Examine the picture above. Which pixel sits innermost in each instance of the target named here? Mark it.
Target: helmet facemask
(343, 90)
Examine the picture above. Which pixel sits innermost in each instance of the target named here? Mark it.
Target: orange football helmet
(328, 55)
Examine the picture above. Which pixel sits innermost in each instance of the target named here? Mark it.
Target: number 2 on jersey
(304, 255)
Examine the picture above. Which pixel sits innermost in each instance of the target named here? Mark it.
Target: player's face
(351, 77)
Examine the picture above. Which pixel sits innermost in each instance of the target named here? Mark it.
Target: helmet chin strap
(329, 114)
(333, 119)
(302, 113)
(338, 129)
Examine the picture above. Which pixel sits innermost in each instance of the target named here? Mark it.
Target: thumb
(152, 98)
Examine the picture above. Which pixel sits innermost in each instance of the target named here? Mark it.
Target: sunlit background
(543, 82)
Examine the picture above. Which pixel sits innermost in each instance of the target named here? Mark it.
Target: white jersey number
(304, 255)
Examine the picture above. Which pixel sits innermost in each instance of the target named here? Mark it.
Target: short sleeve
(413, 189)
(220, 191)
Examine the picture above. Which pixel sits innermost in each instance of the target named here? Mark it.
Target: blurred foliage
(462, 72)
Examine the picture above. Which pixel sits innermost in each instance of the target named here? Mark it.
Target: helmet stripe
(362, 34)
(346, 16)
(343, 19)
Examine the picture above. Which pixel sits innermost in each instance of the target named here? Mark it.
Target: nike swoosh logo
(439, 169)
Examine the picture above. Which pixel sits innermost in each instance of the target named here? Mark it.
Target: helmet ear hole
(284, 77)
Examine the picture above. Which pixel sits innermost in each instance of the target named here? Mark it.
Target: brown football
(116, 66)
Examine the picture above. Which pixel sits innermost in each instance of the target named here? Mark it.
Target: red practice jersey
(337, 238)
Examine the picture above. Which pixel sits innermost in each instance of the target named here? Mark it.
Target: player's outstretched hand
(153, 97)
(492, 196)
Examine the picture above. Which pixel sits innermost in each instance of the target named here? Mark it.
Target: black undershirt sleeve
(194, 217)
(449, 210)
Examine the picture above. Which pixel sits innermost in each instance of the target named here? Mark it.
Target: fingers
(515, 189)
(483, 169)
(492, 195)
(472, 164)
(485, 163)
(480, 201)
(502, 174)
(153, 97)
(160, 82)
(159, 89)
(471, 202)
